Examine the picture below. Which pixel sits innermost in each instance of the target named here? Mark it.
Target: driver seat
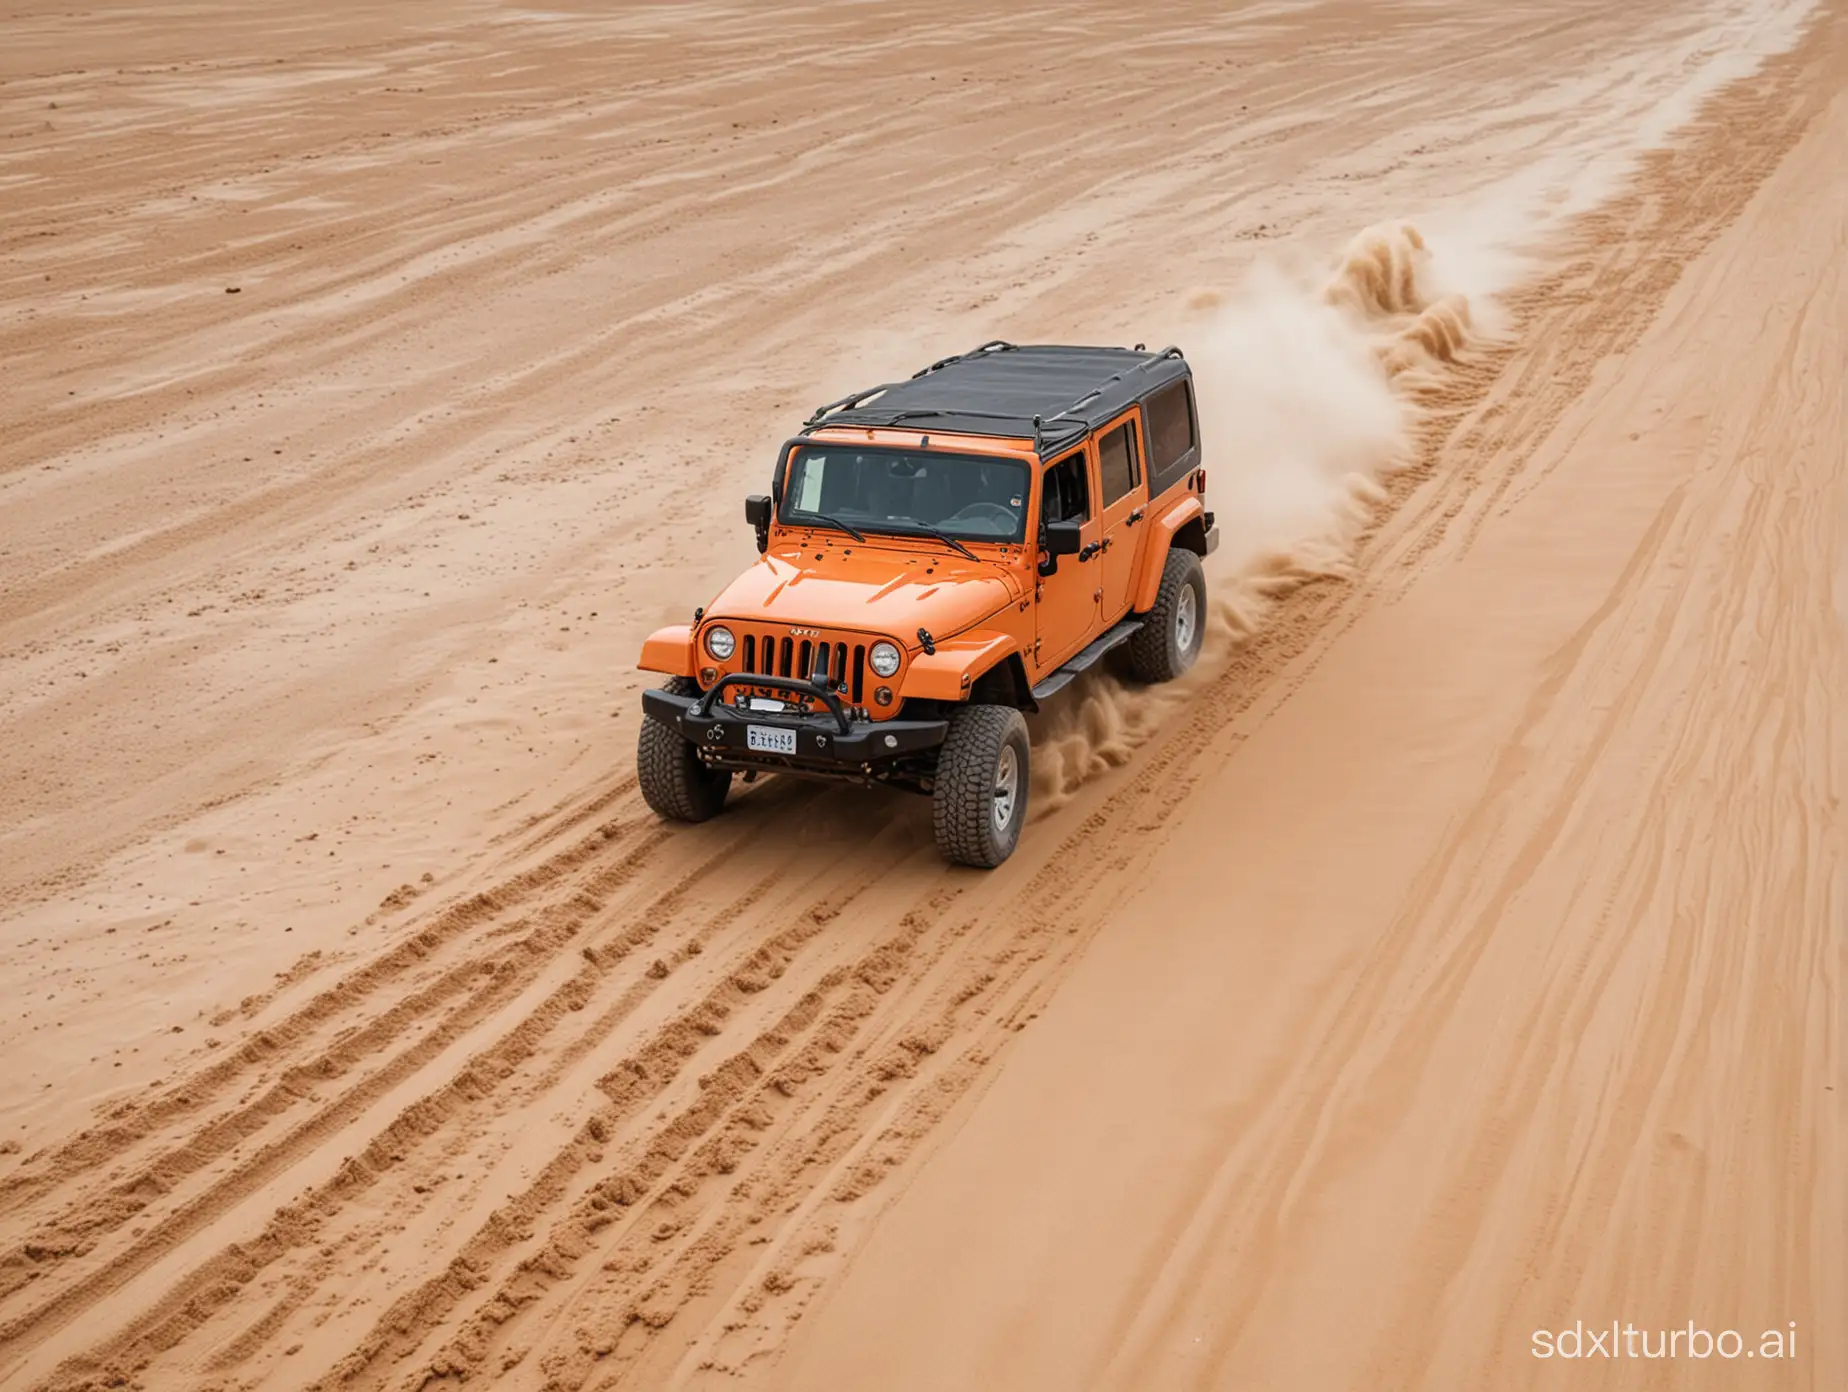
(933, 495)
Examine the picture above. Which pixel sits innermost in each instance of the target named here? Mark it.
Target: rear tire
(1174, 629)
(674, 781)
(979, 803)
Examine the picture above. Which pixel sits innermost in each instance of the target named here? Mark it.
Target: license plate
(768, 739)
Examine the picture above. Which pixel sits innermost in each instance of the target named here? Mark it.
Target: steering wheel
(993, 511)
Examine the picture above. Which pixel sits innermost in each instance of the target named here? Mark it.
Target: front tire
(979, 802)
(1174, 629)
(674, 781)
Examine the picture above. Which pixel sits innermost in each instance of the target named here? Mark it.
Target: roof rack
(994, 345)
(1169, 352)
(853, 399)
(933, 412)
(1055, 426)
(1143, 366)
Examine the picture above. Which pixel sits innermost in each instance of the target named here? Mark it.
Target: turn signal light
(883, 695)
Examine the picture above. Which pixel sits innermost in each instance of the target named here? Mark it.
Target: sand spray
(1310, 389)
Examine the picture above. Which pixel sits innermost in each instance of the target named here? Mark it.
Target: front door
(1123, 496)
(1067, 599)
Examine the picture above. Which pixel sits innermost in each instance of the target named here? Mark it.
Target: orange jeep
(940, 555)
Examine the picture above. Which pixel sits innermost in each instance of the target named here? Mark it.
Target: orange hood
(874, 590)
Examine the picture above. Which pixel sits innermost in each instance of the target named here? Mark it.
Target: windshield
(970, 497)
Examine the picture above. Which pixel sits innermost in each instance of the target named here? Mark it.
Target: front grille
(841, 665)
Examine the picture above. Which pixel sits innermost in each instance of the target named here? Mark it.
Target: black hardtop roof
(1050, 393)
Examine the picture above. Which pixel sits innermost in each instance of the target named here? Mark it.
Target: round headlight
(720, 643)
(884, 658)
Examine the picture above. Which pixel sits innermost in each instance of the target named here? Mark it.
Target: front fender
(948, 673)
(669, 650)
(1162, 529)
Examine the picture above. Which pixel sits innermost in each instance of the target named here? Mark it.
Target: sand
(1454, 957)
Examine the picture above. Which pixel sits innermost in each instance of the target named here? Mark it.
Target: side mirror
(1064, 538)
(757, 513)
(1059, 539)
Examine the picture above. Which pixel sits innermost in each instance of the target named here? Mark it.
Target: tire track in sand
(129, 1124)
(577, 916)
(478, 986)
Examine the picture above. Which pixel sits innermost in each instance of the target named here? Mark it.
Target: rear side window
(1119, 469)
(1171, 426)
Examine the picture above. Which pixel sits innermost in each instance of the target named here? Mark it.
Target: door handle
(1090, 549)
(1133, 518)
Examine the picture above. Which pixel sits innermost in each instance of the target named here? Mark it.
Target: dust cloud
(1309, 390)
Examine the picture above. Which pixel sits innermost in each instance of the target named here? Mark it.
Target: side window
(1171, 431)
(1118, 468)
(1067, 498)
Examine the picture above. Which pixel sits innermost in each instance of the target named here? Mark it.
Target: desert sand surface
(1456, 954)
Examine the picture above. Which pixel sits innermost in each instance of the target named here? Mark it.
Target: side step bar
(1113, 637)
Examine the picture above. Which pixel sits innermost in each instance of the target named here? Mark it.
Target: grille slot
(841, 666)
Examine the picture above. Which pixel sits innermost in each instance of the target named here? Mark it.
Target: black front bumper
(835, 740)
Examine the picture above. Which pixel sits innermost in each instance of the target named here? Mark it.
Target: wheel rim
(1186, 619)
(1007, 787)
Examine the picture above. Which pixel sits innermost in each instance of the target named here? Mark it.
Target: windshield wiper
(943, 537)
(836, 522)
